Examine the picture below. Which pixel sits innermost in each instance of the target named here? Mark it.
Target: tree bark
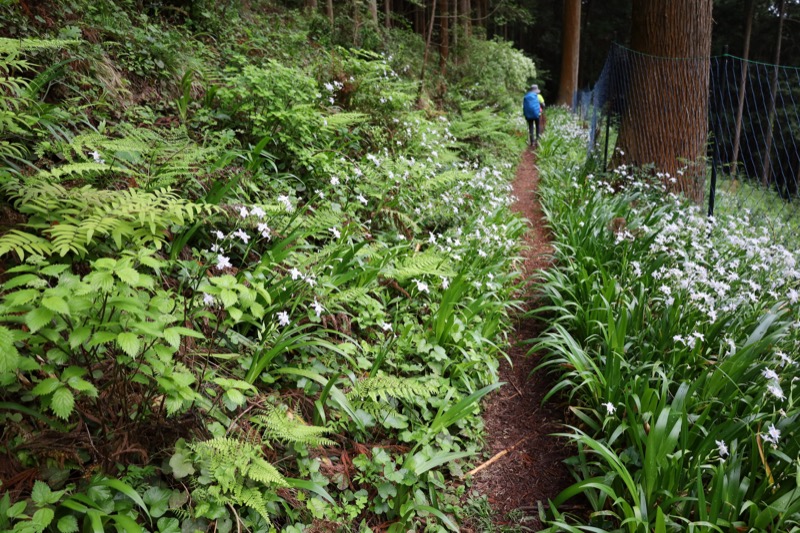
(665, 120)
(748, 30)
(427, 49)
(773, 94)
(329, 9)
(444, 36)
(311, 5)
(465, 14)
(387, 14)
(570, 52)
(373, 12)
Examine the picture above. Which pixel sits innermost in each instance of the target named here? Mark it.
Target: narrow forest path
(532, 468)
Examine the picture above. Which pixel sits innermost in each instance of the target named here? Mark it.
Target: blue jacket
(530, 105)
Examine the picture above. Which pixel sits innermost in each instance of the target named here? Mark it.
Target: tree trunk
(387, 14)
(329, 9)
(444, 36)
(311, 5)
(748, 30)
(665, 119)
(570, 52)
(465, 13)
(772, 97)
(373, 12)
(427, 49)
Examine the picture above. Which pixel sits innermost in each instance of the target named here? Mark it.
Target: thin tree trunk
(356, 22)
(329, 9)
(387, 14)
(373, 12)
(570, 52)
(773, 96)
(665, 120)
(311, 5)
(748, 30)
(465, 12)
(444, 36)
(427, 49)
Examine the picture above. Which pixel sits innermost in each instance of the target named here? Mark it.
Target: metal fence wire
(753, 129)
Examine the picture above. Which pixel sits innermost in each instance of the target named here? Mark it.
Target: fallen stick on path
(497, 456)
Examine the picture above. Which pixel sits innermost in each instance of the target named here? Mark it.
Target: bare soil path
(532, 469)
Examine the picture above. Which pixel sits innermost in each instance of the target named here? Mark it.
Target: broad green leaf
(68, 524)
(129, 343)
(172, 337)
(9, 356)
(22, 297)
(79, 335)
(57, 304)
(42, 518)
(181, 465)
(17, 509)
(38, 318)
(234, 398)
(46, 386)
(81, 385)
(19, 281)
(62, 403)
(129, 275)
(40, 494)
(228, 297)
(73, 372)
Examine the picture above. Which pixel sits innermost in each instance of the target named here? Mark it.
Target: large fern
(281, 424)
(431, 262)
(71, 220)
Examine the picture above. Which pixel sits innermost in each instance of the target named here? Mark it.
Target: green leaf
(57, 304)
(62, 403)
(22, 297)
(181, 465)
(79, 335)
(172, 337)
(233, 398)
(81, 385)
(129, 343)
(228, 297)
(19, 281)
(9, 356)
(46, 386)
(68, 524)
(40, 494)
(42, 518)
(17, 509)
(129, 275)
(157, 500)
(38, 318)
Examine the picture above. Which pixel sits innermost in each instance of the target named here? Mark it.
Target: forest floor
(531, 470)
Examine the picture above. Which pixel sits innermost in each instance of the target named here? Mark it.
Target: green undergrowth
(674, 338)
(252, 278)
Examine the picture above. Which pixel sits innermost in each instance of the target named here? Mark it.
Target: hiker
(532, 110)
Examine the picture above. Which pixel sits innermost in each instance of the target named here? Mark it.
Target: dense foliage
(674, 336)
(250, 279)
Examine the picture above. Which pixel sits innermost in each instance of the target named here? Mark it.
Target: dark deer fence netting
(752, 156)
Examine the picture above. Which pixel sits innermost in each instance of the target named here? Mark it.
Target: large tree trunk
(748, 30)
(465, 14)
(665, 120)
(570, 52)
(773, 94)
(373, 12)
(444, 36)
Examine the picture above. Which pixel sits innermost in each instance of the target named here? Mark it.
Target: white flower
(242, 235)
(482, 253)
(286, 202)
(385, 326)
(421, 286)
(283, 318)
(773, 435)
(208, 299)
(216, 248)
(257, 212)
(296, 274)
(243, 212)
(776, 391)
(362, 199)
(445, 282)
(334, 181)
(610, 409)
(722, 448)
(264, 230)
(335, 231)
(97, 159)
(785, 359)
(223, 262)
(770, 374)
(311, 281)
(318, 309)
(219, 235)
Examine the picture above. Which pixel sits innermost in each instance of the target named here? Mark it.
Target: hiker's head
(535, 88)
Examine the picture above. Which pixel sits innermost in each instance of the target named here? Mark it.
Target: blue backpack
(530, 105)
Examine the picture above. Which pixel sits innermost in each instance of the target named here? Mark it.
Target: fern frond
(11, 46)
(286, 426)
(381, 388)
(428, 263)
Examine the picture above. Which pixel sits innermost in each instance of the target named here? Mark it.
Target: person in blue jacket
(532, 110)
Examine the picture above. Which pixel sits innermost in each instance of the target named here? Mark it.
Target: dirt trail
(531, 470)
